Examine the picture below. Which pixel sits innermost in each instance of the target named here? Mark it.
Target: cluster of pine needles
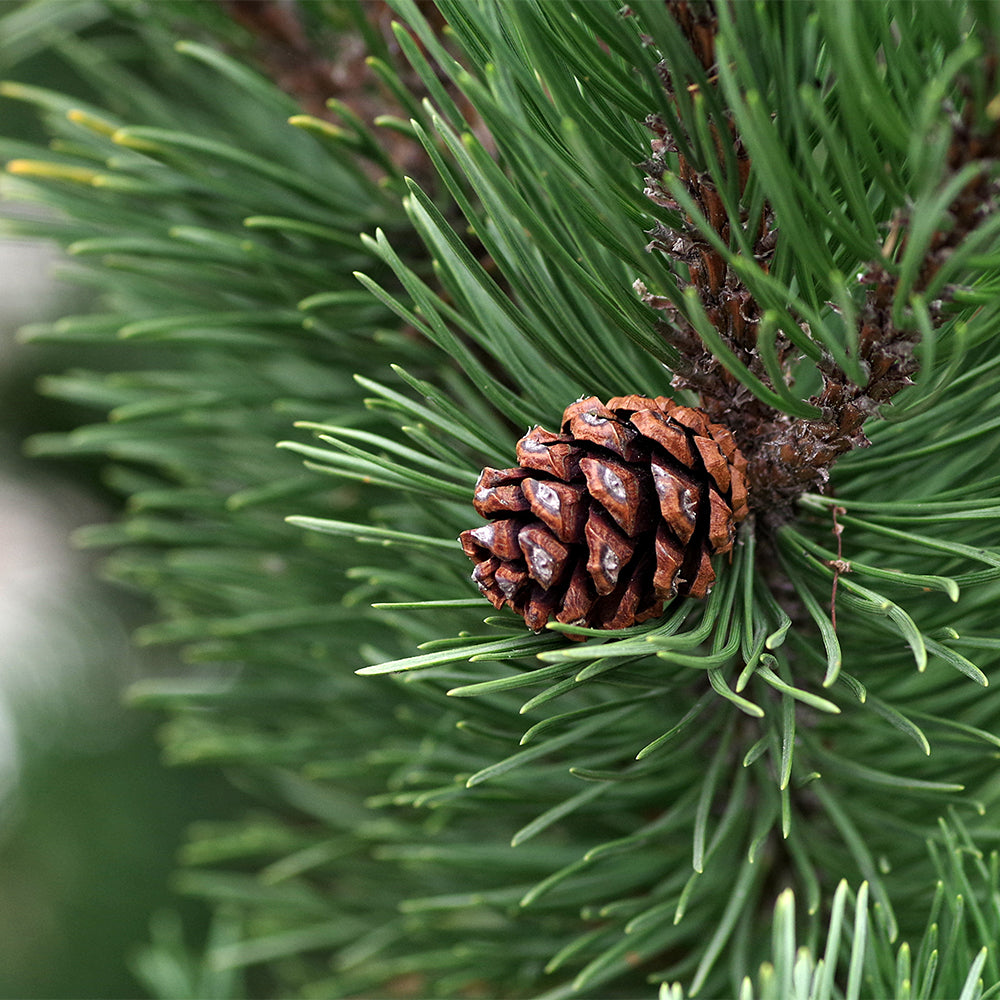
(788, 790)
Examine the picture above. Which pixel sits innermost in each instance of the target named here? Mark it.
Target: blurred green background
(90, 821)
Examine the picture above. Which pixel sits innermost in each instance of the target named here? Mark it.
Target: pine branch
(790, 455)
(485, 803)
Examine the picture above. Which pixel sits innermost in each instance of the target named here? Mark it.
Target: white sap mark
(594, 419)
(688, 500)
(485, 535)
(541, 562)
(613, 484)
(610, 563)
(483, 495)
(507, 587)
(548, 498)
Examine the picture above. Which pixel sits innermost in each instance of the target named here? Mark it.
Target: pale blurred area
(63, 654)
(90, 821)
(51, 624)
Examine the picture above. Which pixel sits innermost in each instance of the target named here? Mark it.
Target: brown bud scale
(605, 522)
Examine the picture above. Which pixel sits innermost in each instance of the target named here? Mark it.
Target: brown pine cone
(604, 523)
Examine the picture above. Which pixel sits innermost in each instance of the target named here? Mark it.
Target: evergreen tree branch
(790, 454)
(485, 804)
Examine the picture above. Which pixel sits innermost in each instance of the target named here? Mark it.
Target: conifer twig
(790, 455)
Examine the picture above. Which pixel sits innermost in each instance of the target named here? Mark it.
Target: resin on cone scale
(603, 524)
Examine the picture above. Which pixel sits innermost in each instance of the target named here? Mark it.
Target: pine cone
(604, 523)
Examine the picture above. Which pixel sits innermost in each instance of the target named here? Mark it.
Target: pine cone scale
(610, 551)
(579, 598)
(669, 559)
(545, 555)
(547, 452)
(671, 438)
(606, 521)
(560, 505)
(678, 495)
(721, 525)
(619, 490)
(699, 583)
